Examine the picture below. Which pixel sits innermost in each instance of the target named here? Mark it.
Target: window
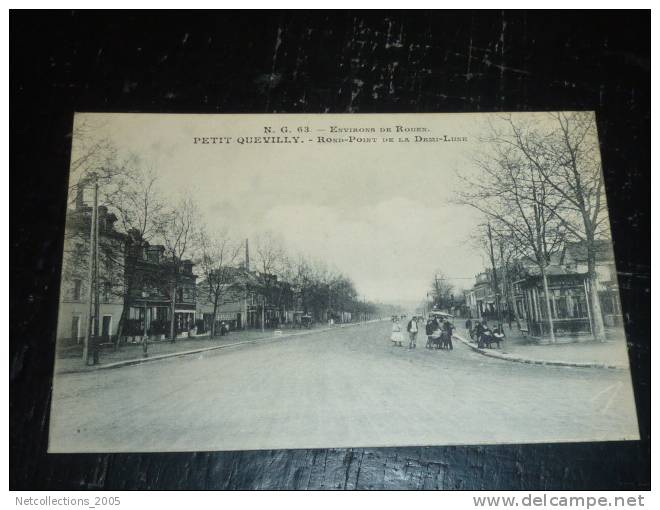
(579, 306)
(562, 307)
(107, 292)
(77, 289)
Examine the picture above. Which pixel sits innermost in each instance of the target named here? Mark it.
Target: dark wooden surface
(339, 62)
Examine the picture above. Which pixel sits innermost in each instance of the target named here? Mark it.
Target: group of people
(436, 329)
(439, 333)
(481, 333)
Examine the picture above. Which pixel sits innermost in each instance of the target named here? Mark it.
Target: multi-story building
(152, 281)
(237, 291)
(480, 299)
(75, 292)
(136, 283)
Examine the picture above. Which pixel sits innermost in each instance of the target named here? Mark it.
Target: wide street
(343, 388)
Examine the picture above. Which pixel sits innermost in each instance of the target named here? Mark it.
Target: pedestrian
(468, 325)
(436, 324)
(436, 336)
(412, 333)
(429, 333)
(397, 334)
(478, 331)
(449, 331)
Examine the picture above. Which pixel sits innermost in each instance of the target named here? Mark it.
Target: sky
(382, 213)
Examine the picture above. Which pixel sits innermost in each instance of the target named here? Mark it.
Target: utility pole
(97, 300)
(496, 289)
(92, 276)
(90, 291)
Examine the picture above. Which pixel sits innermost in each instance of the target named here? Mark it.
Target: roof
(534, 274)
(551, 270)
(239, 277)
(577, 251)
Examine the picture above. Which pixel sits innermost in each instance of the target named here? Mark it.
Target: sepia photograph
(287, 281)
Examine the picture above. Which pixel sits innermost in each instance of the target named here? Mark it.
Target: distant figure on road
(412, 333)
(449, 331)
(468, 325)
(429, 332)
(478, 331)
(397, 334)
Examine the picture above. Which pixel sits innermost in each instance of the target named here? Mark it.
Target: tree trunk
(263, 317)
(547, 305)
(215, 314)
(172, 318)
(122, 323)
(597, 324)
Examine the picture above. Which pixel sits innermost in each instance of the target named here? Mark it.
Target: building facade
(574, 257)
(568, 288)
(236, 292)
(567, 299)
(75, 292)
(153, 281)
(136, 282)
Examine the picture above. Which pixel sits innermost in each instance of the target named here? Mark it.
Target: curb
(263, 339)
(517, 359)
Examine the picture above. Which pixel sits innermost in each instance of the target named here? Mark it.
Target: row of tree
(540, 184)
(131, 191)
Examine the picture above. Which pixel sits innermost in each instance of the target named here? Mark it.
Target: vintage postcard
(237, 282)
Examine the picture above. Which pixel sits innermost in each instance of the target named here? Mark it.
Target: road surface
(347, 387)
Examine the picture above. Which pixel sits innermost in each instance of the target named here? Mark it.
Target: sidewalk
(574, 352)
(132, 354)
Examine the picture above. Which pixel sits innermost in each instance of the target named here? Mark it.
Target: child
(397, 334)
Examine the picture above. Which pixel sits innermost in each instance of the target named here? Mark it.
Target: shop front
(568, 305)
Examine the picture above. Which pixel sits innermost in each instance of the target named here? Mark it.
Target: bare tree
(499, 246)
(139, 203)
(217, 260)
(302, 278)
(140, 207)
(567, 157)
(441, 290)
(513, 193)
(178, 232)
(95, 158)
(270, 261)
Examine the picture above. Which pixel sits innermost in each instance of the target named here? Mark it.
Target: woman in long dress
(397, 334)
